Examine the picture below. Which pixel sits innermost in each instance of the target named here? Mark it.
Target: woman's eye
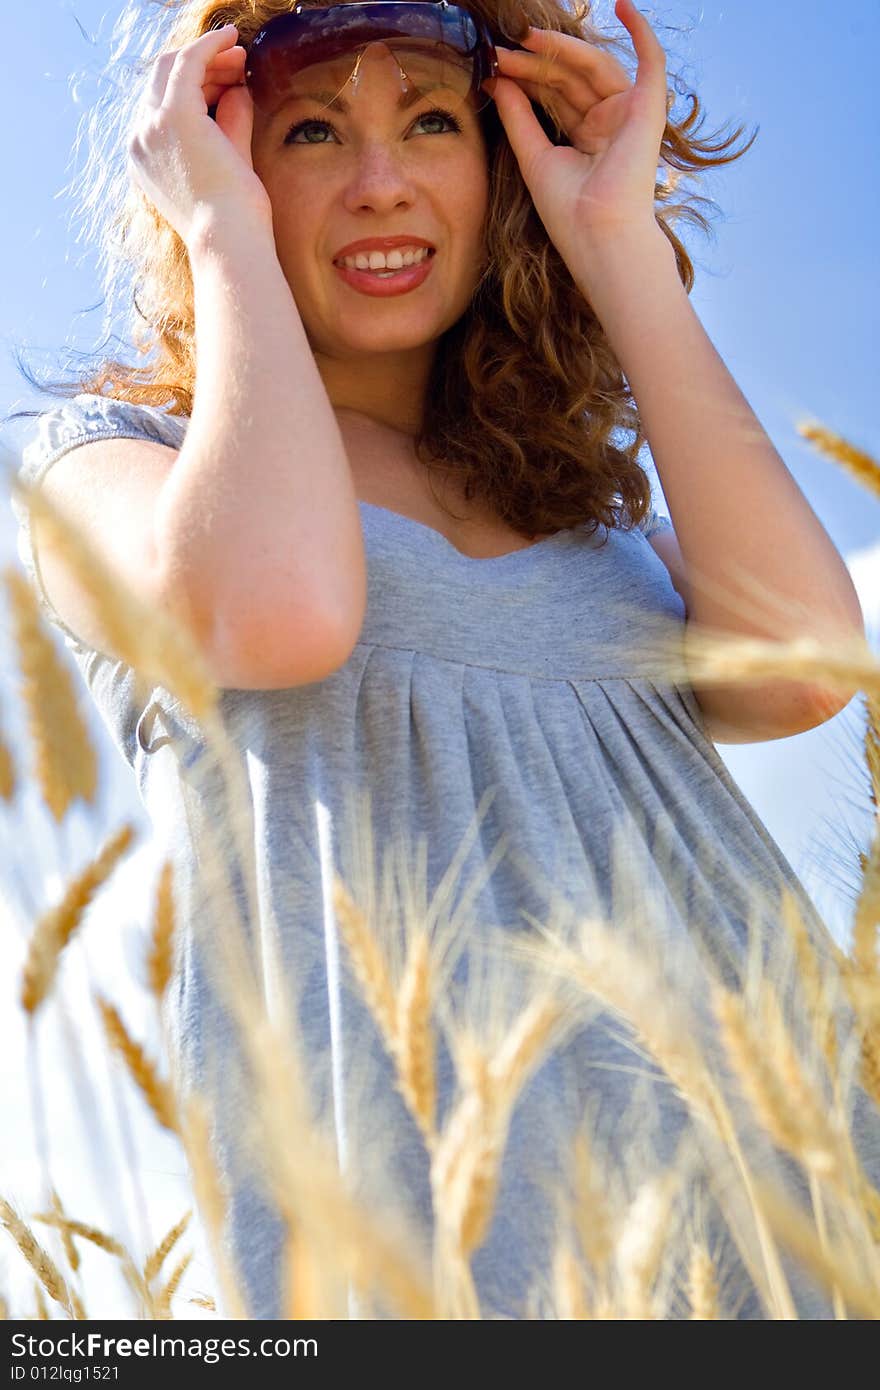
(303, 127)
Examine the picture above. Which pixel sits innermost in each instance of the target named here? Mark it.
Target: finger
(603, 70)
(184, 86)
(235, 117)
(651, 73)
(155, 89)
(521, 125)
(568, 116)
(575, 87)
(154, 93)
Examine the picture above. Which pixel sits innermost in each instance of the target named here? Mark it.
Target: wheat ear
(57, 925)
(40, 1262)
(702, 1282)
(154, 1262)
(156, 1092)
(65, 761)
(160, 956)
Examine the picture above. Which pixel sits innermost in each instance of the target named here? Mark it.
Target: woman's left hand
(603, 184)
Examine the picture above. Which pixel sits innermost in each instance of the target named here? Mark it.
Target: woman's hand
(193, 168)
(603, 185)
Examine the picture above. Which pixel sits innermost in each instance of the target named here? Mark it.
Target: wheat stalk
(770, 1075)
(8, 784)
(590, 1208)
(702, 1283)
(209, 1195)
(67, 1240)
(568, 1284)
(368, 962)
(69, 1227)
(640, 1244)
(154, 1262)
(862, 466)
(160, 956)
(40, 1262)
(414, 1048)
(812, 984)
(65, 761)
(163, 1302)
(57, 925)
(145, 638)
(833, 1266)
(153, 1088)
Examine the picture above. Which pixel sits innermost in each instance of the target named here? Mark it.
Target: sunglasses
(438, 47)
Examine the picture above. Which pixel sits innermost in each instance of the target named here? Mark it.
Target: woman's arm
(736, 509)
(258, 520)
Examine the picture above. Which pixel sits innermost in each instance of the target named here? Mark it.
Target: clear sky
(788, 291)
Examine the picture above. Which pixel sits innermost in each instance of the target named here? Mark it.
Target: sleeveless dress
(495, 721)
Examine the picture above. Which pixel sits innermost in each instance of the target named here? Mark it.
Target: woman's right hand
(191, 166)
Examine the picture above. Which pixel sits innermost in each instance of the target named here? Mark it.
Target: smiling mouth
(384, 266)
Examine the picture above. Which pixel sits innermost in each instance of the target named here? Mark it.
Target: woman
(375, 500)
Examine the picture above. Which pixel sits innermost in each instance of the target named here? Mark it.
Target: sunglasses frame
(390, 19)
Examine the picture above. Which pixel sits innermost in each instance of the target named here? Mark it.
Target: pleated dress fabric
(493, 719)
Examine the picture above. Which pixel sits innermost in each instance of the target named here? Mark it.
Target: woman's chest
(388, 474)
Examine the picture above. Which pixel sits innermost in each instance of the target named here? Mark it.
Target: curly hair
(526, 401)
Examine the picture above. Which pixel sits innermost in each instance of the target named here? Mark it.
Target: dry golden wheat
(525, 1046)
(303, 1298)
(40, 1262)
(591, 1217)
(769, 1074)
(414, 1050)
(67, 1240)
(161, 953)
(568, 1285)
(68, 1226)
(702, 1283)
(835, 1267)
(156, 1092)
(210, 1197)
(369, 964)
(145, 638)
(163, 1302)
(640, 1244)
(8, 780)
(65, 761)
(861, 465)
(154, 1262)
(813, 984)
(57, 925)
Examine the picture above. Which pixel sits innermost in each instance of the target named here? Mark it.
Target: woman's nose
(380, 180)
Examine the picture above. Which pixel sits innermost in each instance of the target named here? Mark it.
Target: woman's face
(375, 171)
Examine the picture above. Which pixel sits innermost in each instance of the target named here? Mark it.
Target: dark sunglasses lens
(289, 64)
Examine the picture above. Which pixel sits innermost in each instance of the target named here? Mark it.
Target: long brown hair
(526, 401)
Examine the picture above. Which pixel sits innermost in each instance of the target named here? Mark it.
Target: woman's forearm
(260, 512)
(736, 509)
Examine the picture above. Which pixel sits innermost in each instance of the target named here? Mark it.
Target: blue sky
(787, 290)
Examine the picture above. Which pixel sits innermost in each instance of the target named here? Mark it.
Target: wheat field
(788, 1083)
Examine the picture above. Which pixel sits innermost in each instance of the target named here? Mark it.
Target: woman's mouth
(384, 281)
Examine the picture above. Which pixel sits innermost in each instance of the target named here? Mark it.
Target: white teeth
(378, 261)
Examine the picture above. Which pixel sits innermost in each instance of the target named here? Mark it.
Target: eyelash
(301, 125)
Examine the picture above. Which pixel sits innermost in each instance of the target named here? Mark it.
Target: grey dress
(496, 707)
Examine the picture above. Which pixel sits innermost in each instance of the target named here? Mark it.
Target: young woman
(399, 316)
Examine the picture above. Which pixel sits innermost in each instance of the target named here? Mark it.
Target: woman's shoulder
(88, 416)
